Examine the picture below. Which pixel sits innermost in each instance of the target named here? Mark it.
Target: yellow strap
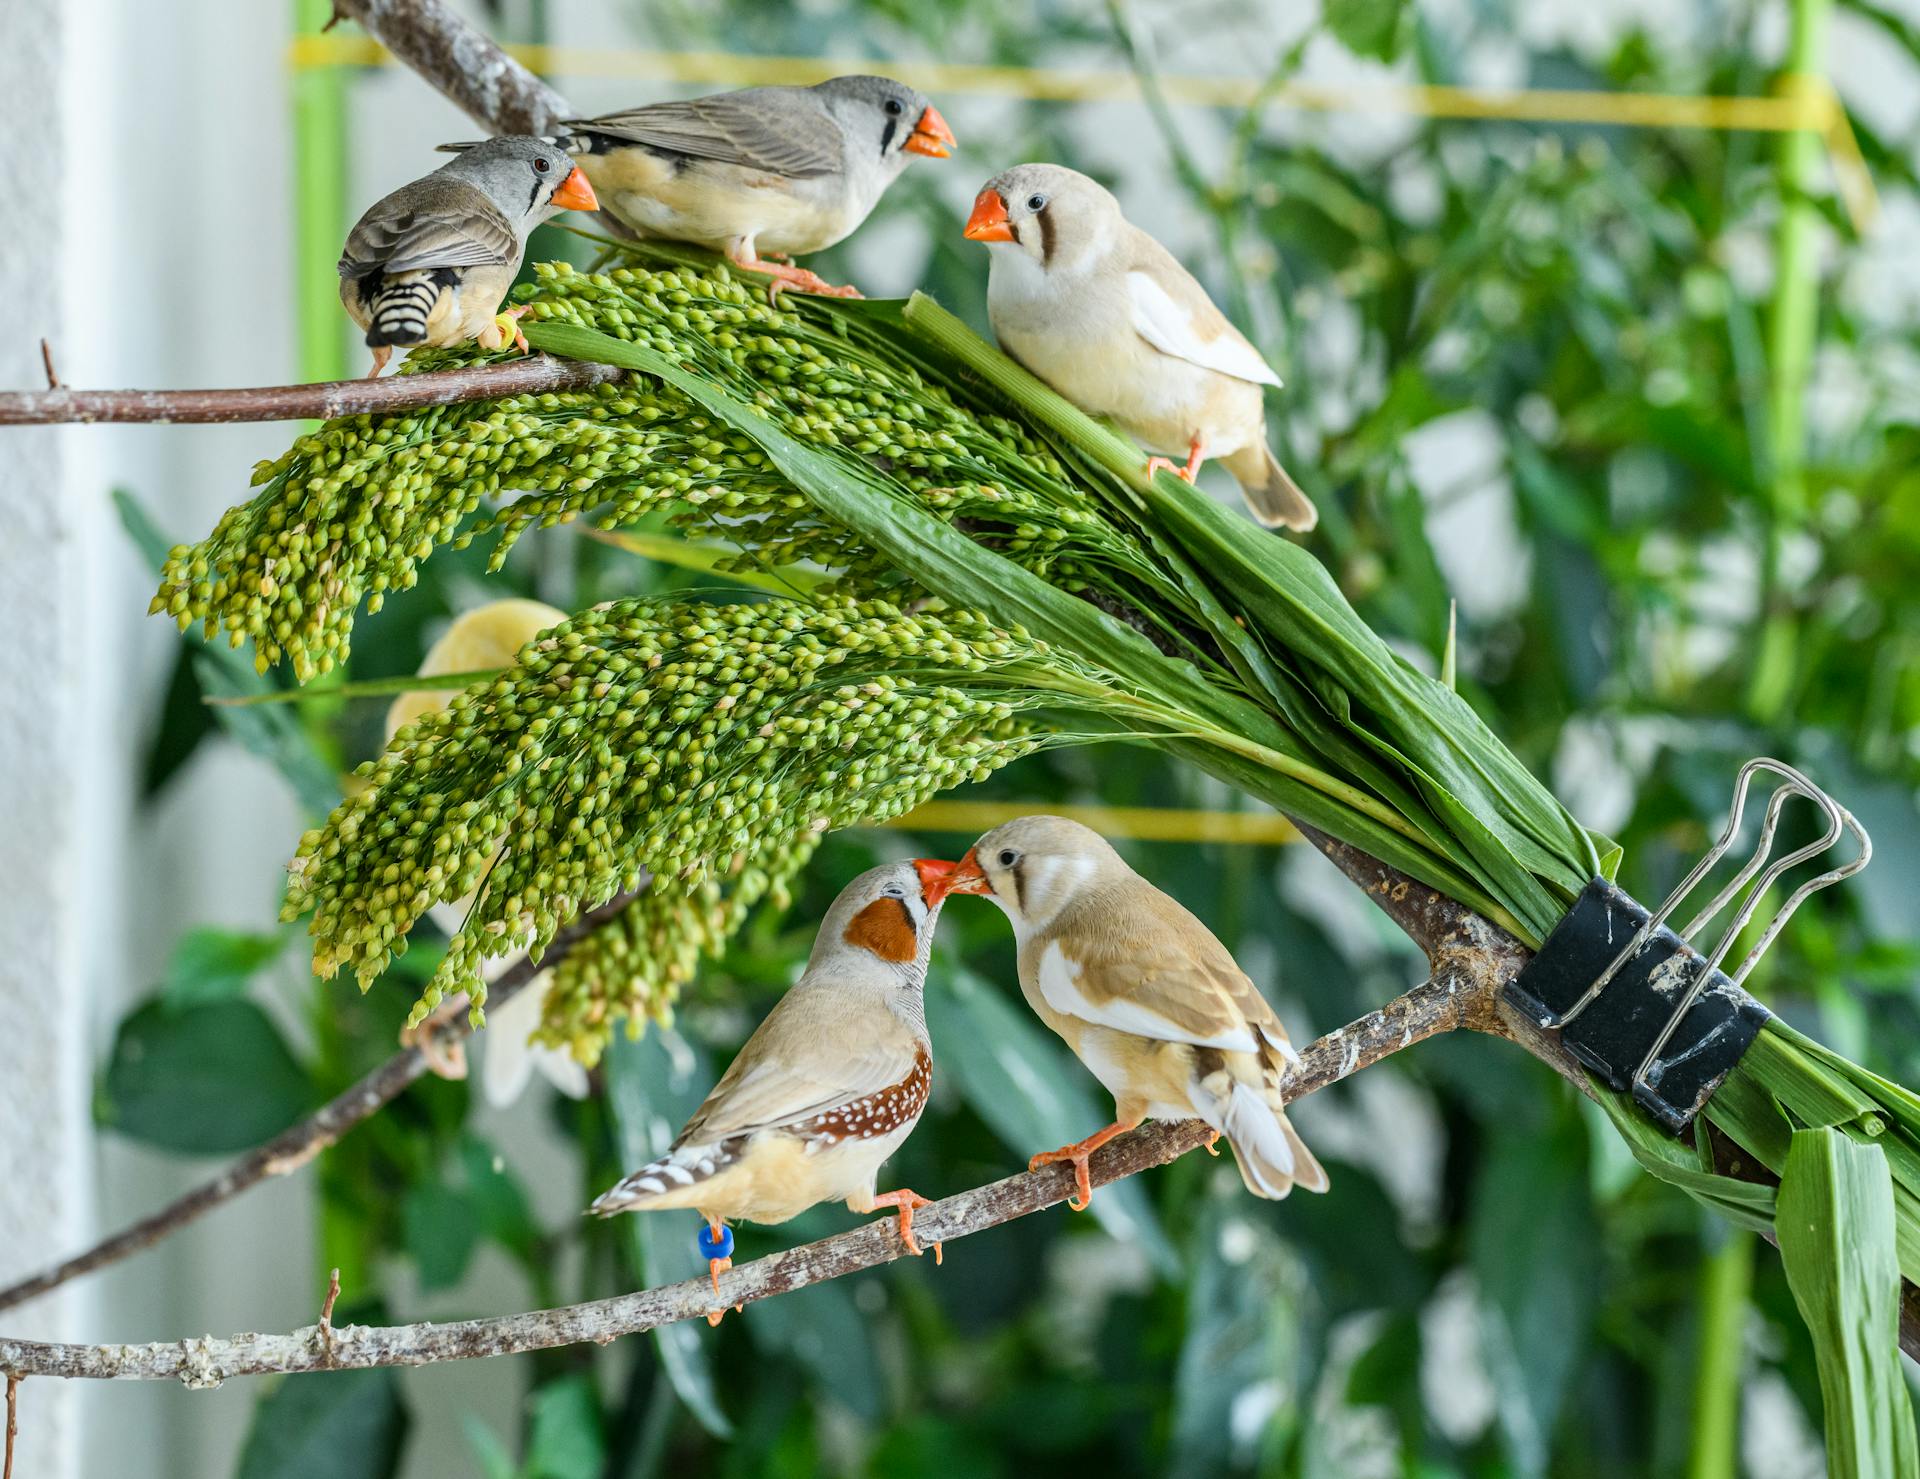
(1804, 102)
(1146, 823)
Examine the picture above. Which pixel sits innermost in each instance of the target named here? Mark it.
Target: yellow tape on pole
(1803, 103)
(1144, 823)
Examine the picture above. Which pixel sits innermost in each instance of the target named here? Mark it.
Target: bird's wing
(1173, 313)
(784, 130)
(1151, 969)
(435, 223)
(811, 1055)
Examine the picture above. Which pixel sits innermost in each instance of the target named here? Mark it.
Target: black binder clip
(1654, 1016)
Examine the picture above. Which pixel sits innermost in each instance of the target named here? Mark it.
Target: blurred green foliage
(1526, 372)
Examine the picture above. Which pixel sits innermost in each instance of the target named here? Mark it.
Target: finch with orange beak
(828, 1086)
(430, 263)
(1145, 996)
(1104, 314)
(764, 173)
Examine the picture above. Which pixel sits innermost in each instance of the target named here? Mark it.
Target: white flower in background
(510, 1059)
(490, 636)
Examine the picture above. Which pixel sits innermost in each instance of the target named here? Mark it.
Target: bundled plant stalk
(1058, 595)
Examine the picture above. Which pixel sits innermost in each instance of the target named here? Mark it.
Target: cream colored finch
(827, 1087)
(1144, 994)
(762, 173)
(1104, 314)
(430, 263)
(479, 640)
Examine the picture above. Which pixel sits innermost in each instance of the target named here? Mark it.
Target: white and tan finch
(1144, 994)
(828, 1086)
(1104, 314)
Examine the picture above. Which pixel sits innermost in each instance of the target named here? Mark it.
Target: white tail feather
(666, 1182)
(1270, 1154)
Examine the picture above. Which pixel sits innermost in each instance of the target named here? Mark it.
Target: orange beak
(933, 878)
(930, 136)
(989, 219)
(576, 193)
(964, 877)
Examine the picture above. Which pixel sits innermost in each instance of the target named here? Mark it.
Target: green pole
(1792, 327)
(319, 206)
(320, 344)
(1726, 1282)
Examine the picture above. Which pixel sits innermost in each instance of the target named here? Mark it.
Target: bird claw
(1213, 1143)
(506, 324)
(446, 1057)
(1187, 472)
(717, 1267)
(1082, 1178)
(785, 275)
(905, 1203)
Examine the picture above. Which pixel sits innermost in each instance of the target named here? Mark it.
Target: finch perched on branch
(828, 1086)
(1145, 996)
(1104, 314)
(430, 263)
(762, 173)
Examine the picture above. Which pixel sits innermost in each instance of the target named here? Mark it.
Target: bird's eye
(895, 106)
(1007, 857)
(540, 165)
(1036, 202)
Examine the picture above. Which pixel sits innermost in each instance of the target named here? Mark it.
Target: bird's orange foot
(785, 275)
(505, 326)
(1187, 472)
(1213, 1143)
(1078, 1156)
(380, 358)
(905, 1203)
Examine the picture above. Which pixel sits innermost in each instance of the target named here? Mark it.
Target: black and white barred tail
(680, 1169)
(398, 311)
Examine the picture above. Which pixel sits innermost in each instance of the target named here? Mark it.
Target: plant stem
(1725, 1285)
(1791, 330)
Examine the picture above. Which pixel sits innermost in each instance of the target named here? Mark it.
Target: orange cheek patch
(885, 928)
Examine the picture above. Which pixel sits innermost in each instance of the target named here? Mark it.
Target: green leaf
(1533, 1250)
(566, 1441)
(498, 1199)
(327, 1425)
(1836, 1233)
(1021, 1080)
(1242, 1337)
(1365, 27)
(824, 1333)
(184, 722)
(207, 1080)
(492, 1455)
(440, 1228)
(211, 964)
(271, 732)
(652, 1086)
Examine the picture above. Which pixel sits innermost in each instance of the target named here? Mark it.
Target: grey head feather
(476, 210)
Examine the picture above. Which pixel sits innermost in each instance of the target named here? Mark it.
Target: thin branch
(320, 402)
(300, 1143)
(463, 62)
(1440, 1005)
(13, 1421)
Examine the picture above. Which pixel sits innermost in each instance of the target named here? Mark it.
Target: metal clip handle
(1793, 784)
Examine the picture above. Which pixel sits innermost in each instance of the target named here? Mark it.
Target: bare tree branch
(464, 63)
(322, 401)
(300, 1143)
(1440, 1005)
